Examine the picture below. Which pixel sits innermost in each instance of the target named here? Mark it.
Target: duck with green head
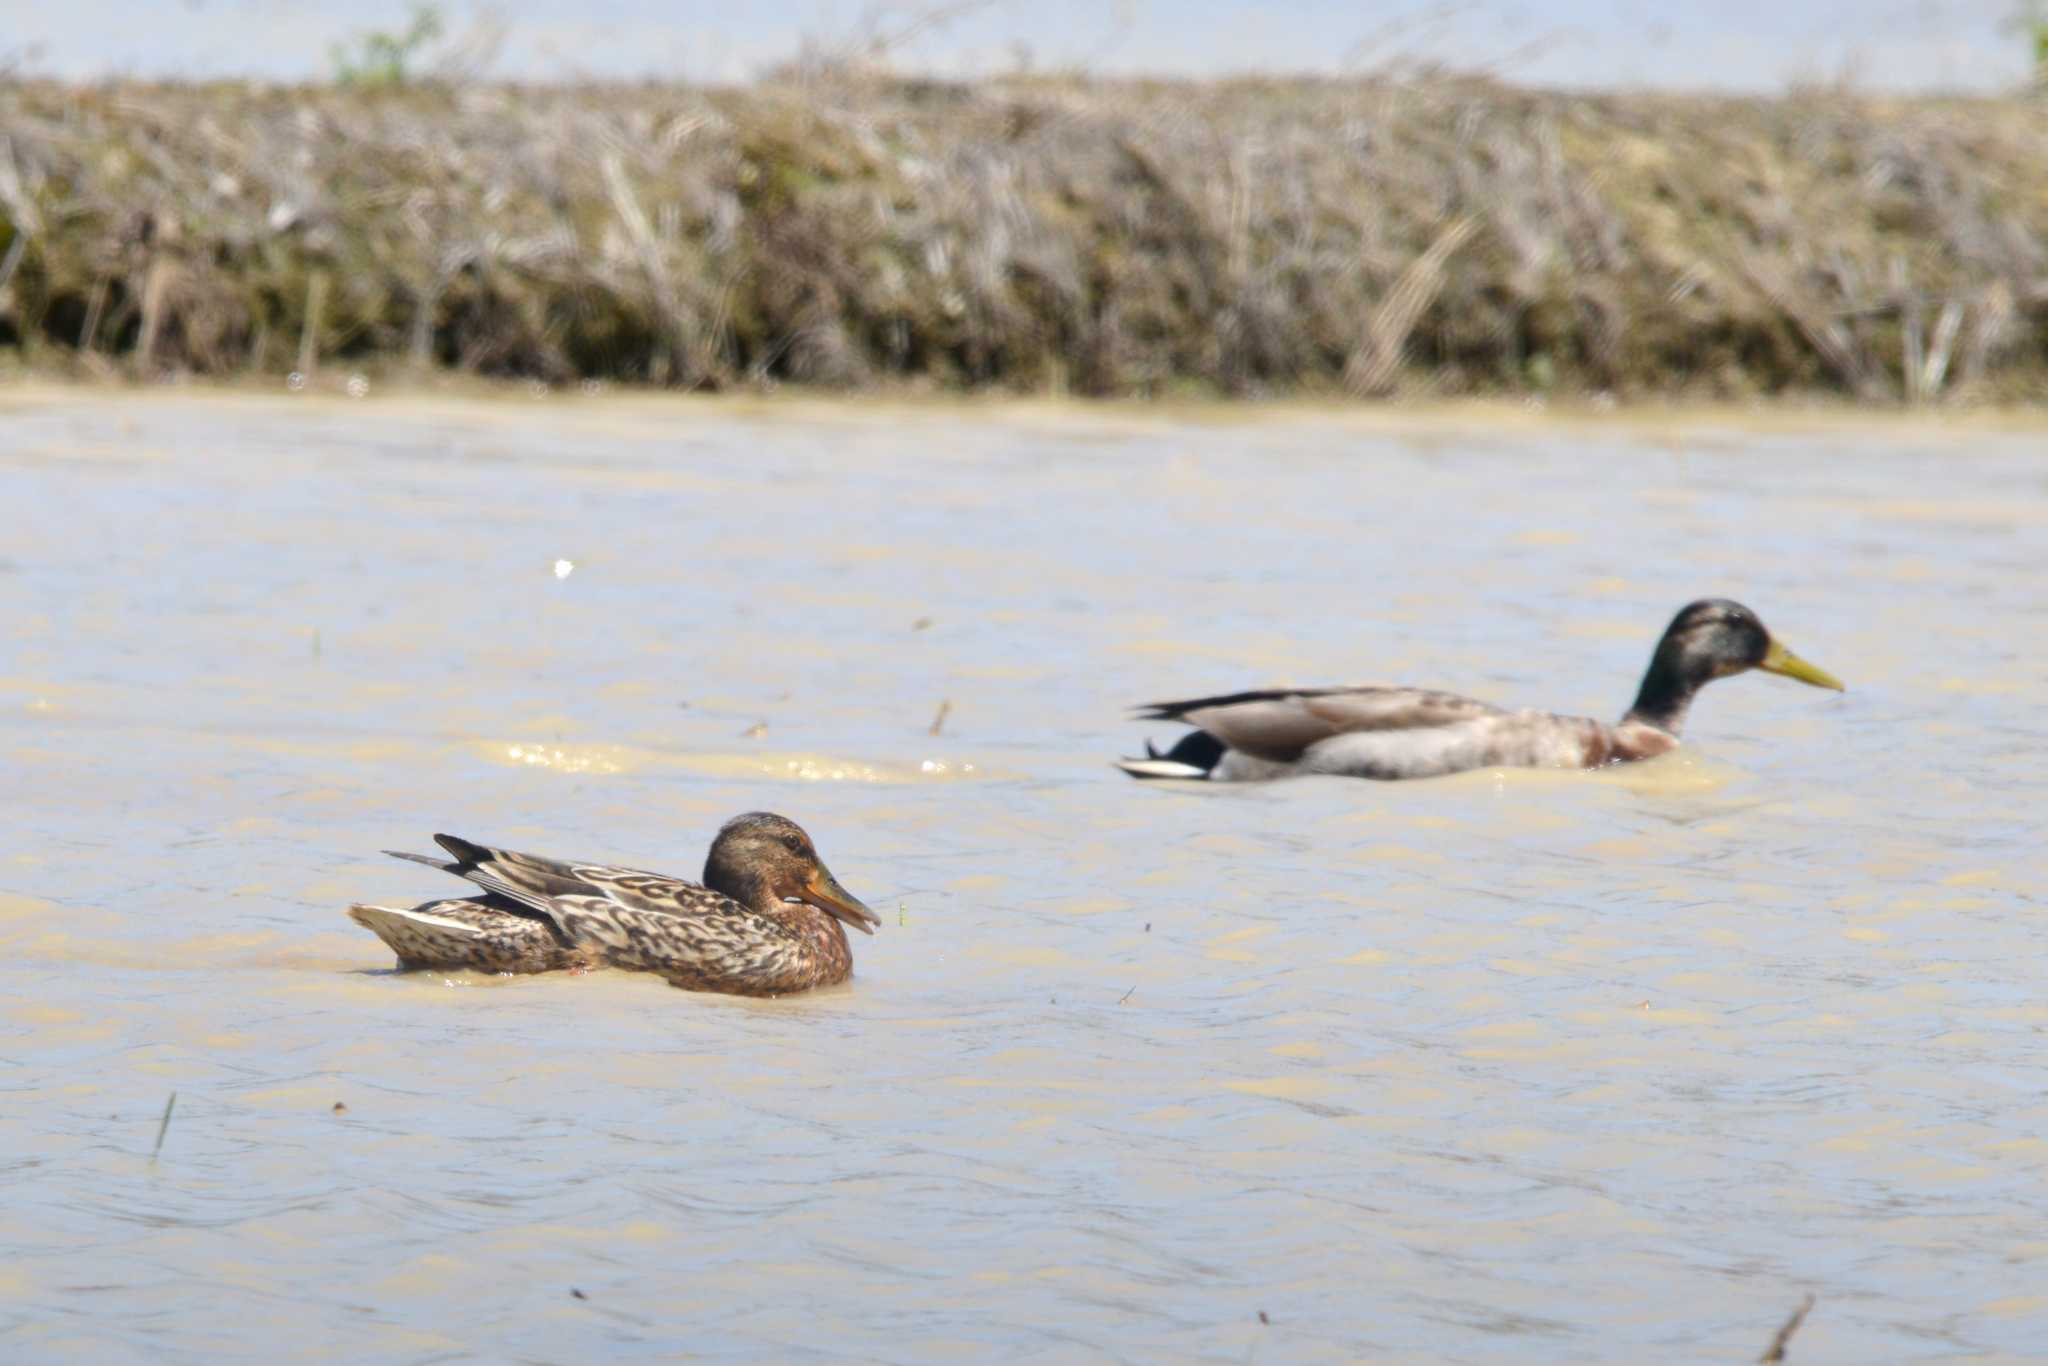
(1375, 731)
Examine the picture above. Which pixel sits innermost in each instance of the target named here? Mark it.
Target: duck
(1389, 733)
(767, 920)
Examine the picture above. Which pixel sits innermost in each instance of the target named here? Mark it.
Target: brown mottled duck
(1392, 732)
(766, 921)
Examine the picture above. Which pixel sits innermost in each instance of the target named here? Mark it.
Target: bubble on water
(564, 568)
(295, 381)
(358, 386)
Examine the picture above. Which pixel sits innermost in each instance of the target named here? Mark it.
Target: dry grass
(1440, 236)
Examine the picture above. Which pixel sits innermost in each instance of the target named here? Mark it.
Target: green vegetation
(381, 58)
(2030, 21)
(1422, 237)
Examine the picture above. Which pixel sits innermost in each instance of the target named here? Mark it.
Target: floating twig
(164, 1127)
(939, 720)
(1776, 1351)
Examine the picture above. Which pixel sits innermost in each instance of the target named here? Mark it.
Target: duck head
(763, 861)
(1711, 639)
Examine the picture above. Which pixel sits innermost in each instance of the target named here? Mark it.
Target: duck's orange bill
(824, 892)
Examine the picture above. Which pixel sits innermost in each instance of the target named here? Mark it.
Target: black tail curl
(1198, 749)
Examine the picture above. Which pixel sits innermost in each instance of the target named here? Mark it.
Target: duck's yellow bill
(1779, 660)
(824, 892)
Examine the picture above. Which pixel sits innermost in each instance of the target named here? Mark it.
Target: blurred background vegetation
(839, 222)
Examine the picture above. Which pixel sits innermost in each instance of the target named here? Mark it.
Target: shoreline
(491, 400)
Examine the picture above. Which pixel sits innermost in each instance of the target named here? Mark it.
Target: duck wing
(628, 918)
(1280, 724)
(722, 946)
(549, 885)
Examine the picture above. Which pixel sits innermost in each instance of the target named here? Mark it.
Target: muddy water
(1610, 1067)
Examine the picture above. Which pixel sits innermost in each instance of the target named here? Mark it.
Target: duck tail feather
(467, 854)
(1195, 756)
(419, 937)
(443, 864)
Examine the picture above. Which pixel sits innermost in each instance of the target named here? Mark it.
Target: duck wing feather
(545, 884)
(1280, 724)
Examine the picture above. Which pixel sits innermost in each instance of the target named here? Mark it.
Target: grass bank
(1429, 238)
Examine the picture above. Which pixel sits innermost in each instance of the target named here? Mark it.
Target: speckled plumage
(485, 932)
(769, 923)
(1377, 731)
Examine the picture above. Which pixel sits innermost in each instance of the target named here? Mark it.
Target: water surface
(1509, 1066)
